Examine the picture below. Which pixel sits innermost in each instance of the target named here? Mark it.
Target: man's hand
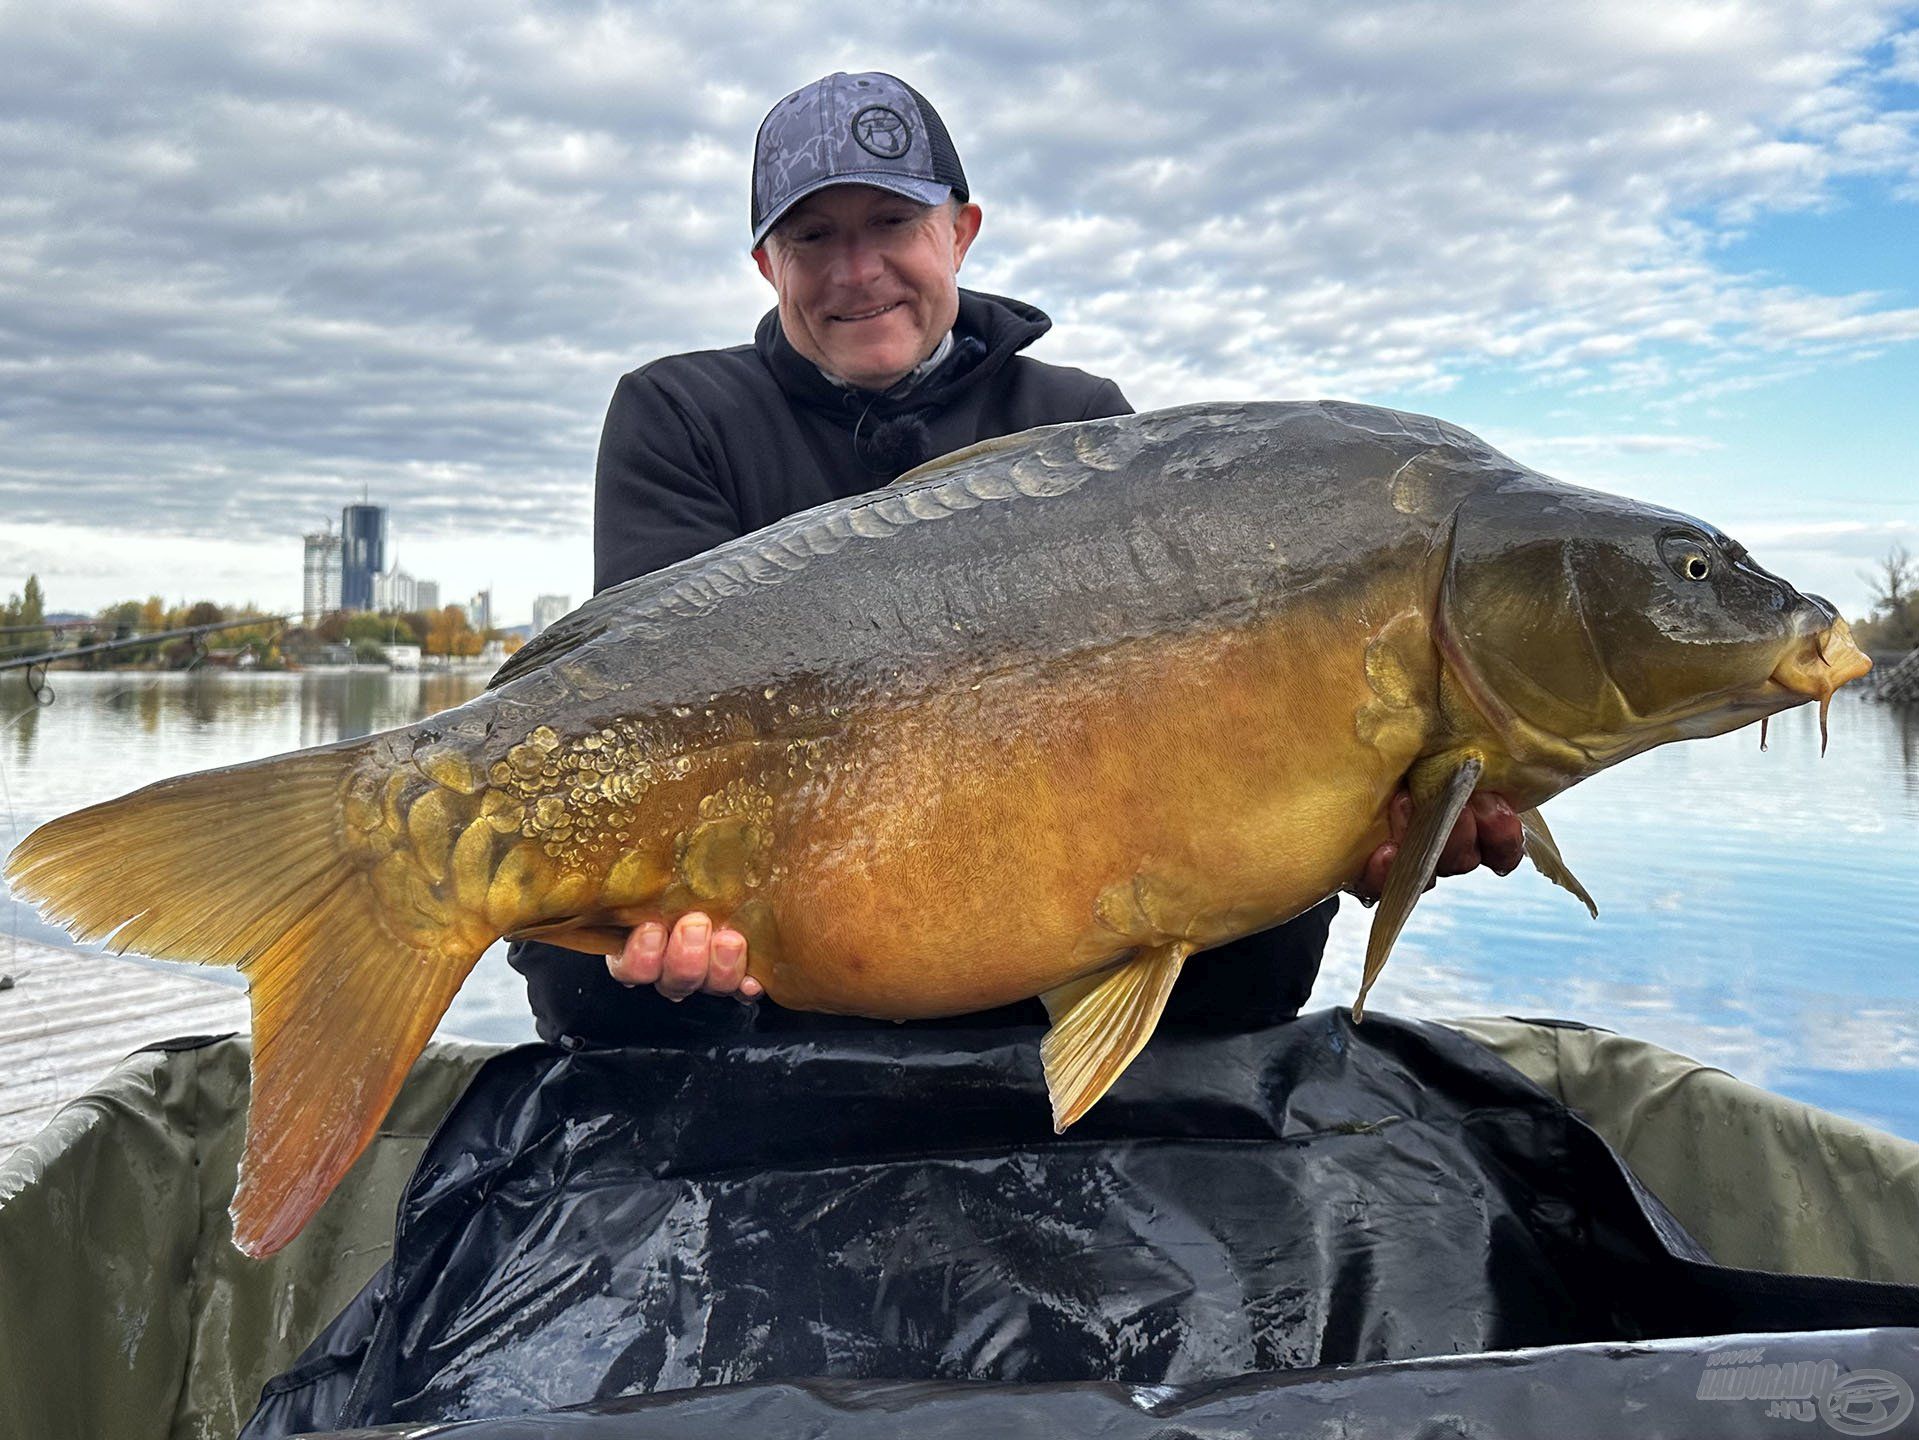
(1487, 832)
(694, 958)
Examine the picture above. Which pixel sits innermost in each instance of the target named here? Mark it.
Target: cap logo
(881, 131)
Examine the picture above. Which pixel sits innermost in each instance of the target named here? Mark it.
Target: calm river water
(1757, 911)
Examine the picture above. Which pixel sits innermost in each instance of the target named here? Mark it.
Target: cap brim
(927, 192)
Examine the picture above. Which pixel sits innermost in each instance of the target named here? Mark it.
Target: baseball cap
(868, 129)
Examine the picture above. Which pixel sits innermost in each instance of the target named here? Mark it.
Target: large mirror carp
(1045, 717)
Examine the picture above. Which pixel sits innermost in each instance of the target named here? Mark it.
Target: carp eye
(1686, 556)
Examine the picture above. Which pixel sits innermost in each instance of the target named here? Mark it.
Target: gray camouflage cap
(869, 129)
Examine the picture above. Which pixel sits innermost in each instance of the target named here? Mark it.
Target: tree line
(1894, 622)
(268, 644)
(20, 618)
(443, 632)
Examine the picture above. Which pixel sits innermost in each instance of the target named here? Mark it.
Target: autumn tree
(262, 639)
(448, 633)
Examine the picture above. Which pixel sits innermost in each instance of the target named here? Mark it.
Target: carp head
(1585, 628)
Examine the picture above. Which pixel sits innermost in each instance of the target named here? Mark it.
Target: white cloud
(1904, 65)
(1543, 447)
(253, 258)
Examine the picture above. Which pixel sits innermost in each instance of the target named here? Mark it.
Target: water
(1757, 911)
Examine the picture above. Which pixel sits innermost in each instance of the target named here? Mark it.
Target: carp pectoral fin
(1413, 869)
(1543, 851)
(571, 935)
(1100, 1023)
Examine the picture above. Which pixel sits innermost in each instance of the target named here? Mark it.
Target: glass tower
(362, 554)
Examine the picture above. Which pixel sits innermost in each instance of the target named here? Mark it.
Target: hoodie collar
(911, 378)
(997, 328)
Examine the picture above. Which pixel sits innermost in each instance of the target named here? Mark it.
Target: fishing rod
(36, 665)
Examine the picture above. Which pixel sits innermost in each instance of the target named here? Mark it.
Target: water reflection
(21, 727)
(1904, 725)
(360, 702)
(1756, 910)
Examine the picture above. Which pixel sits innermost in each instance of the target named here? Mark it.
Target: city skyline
(358, 570)
(1665, 253)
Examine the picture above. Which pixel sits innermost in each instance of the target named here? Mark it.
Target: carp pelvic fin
(1543, 851)
(1100, 1023)
(1413, 869)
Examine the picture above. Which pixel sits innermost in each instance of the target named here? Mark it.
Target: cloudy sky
(255, 259)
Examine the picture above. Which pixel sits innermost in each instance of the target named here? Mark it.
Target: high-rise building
(547, 609)
(479, 611)
(362, 554)
(349, 571)
(320, 592)
(395, 590)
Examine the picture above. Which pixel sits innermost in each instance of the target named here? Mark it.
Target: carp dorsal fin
(1100, 1023)
(1019, 439)
(1413, 868)
(621, 607)
(1543, 851)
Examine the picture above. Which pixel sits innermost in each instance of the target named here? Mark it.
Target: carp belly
(1003, 836)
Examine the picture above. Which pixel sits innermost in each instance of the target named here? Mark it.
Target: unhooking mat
(866, 1208)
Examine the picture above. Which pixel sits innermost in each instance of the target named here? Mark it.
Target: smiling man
(873, 361)
(866, 281)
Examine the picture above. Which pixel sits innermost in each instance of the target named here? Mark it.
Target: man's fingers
(1372, 883)
(1502, 839)
(689, 954)
(638, 963)
(1461, 851)
(728, 969)
(1487, 832)
(1399, 814)
(693, 957)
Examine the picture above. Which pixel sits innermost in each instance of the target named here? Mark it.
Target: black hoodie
(701, 448)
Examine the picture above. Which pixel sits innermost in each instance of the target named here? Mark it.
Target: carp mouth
(1817, 665)
(1820, 657)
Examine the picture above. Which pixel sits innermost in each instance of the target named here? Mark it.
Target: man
(873, 361)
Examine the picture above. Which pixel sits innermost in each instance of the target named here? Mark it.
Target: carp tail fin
(250, 866)
(1543, 851)
(341, 1010)
(1414, 867)
(1100, 1023)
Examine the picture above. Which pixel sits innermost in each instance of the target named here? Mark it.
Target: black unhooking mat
(880, 1206)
